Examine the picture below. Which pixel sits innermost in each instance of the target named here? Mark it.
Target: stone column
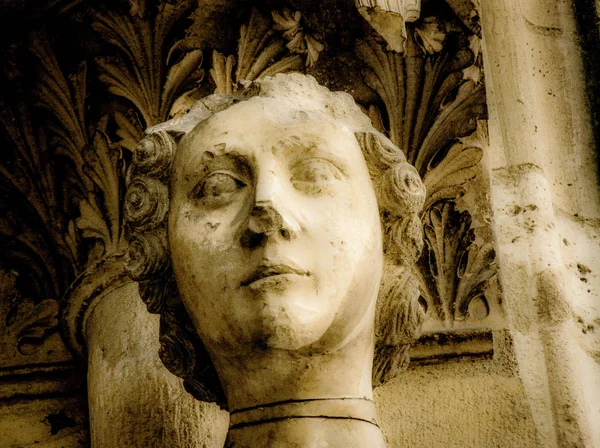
(546, 204)
(133, 400)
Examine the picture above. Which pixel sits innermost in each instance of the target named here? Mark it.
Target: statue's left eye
(312, 175)
(218, 184)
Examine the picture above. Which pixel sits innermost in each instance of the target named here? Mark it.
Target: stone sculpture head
(274, 220)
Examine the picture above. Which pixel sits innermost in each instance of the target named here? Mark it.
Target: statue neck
(285, 398)
(354, 408)
(272, 375)
(345, 422)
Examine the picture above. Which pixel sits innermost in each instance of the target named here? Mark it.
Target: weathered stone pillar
(133, 400)
(545, 197)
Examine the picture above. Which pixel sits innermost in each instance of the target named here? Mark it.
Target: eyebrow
(214, 152)
(218, 156)
(295, 146)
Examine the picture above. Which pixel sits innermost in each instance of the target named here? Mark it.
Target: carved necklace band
(361, 409)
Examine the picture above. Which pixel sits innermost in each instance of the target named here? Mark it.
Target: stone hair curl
(400, 195)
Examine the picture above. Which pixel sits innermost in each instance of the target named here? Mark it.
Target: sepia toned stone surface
(545, 198)
(50, 422)
(129, 391)
(489, 100)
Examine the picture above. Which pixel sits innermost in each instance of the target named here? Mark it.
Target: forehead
(269, 123)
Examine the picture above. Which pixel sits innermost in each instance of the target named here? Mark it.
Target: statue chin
(290, 326)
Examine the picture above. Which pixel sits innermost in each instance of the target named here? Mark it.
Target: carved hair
(400, 196)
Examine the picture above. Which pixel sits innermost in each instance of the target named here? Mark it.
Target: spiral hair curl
(400, 195)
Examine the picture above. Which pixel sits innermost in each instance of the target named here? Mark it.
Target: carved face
(274, 230)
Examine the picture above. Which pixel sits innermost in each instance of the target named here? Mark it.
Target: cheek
(205, 249)
(208, 231)
(350, 236)
(207, 261)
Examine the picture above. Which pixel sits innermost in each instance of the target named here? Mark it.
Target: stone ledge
(438, 347)
(40, 380)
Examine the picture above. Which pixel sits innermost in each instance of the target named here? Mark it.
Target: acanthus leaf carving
(183, 75)
(427, 101)
(64, 101)
(446, 179)
(453, 269)
(430, 35)
(477, 268)
(222, 72)
(257, 48)
(96, 160)
(100, 212)
(263, 52)
(457, 119)
(475, 71)
(140, 72)
(432, 98)
(138, 7)
(39, 235)
(128, 129)
(299, 41)
(467, 11)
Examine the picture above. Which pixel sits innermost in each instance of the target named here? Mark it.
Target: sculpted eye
(218, 184)
(313, 175)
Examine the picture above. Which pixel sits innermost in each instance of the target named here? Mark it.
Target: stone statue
(274, 231)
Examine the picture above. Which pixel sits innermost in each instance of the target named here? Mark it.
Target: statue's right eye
(218, 184)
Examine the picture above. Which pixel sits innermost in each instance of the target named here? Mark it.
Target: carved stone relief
(72, 122)
(30, 329)
(431, 99)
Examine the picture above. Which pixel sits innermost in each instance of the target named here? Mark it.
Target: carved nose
(265, 219)
(265, 222)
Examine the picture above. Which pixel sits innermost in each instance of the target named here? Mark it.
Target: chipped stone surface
(130, 392)
(45, 422)
(545, 198)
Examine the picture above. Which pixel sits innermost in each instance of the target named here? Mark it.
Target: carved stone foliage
(148, 69)
(28, 325)
(431, 95)
(267, 46)
(455, 271)
(98, 166)
(38, 242)
(79, 95)
(388, 17)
